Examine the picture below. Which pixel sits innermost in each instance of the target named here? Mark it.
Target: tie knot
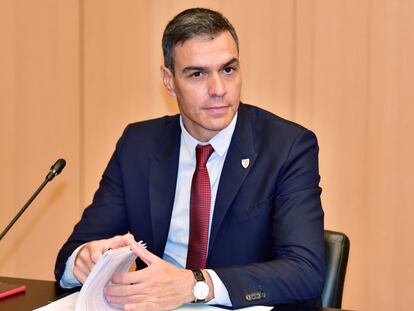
(202, 154)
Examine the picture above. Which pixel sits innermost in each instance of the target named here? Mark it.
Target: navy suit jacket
(266, 241)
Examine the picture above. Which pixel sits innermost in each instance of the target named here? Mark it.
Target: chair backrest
(336, 260)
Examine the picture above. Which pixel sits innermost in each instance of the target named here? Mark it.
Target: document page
(68, 304)
(92, 298)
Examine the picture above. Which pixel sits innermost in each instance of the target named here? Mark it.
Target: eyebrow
(201, 68)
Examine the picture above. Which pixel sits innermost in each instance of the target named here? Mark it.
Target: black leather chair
(336, 259)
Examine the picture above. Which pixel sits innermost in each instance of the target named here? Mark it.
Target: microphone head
(56, 169)
(58, 166)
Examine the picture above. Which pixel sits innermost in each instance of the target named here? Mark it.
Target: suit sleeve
(104, 218)
(296, 272)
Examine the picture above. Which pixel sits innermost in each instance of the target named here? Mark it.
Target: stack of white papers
(92, 298)
(68, 304)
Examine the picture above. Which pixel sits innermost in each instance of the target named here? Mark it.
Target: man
(261, 238)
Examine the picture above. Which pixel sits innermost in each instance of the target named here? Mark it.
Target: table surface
(39, 293)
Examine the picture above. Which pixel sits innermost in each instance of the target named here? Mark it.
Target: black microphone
(54, 171)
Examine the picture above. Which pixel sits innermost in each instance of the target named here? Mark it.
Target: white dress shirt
(177, 242)
(178, 235)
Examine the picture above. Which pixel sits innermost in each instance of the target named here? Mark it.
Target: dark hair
(192, 23)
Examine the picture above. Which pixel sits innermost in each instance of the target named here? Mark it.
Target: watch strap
(198, 275)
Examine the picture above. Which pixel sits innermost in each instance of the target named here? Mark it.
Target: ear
(168, 80)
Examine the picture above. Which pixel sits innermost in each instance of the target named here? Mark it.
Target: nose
(216, 86)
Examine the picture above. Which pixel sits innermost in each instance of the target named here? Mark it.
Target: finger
(122, 300)
(140, 306)
(121, 241)
(129, 278)
(123, 290)
(145, 255)
(80, 275)
(83, 259)
(129, 238)
(81, 269)
(95, 253)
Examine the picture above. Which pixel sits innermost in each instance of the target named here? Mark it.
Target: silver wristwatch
(200, 289)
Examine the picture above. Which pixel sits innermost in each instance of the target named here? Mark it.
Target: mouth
(217, 109)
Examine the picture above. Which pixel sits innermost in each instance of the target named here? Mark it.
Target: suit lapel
(234, 172)
(162, 182)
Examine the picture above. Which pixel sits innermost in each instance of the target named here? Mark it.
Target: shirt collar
(220, 142)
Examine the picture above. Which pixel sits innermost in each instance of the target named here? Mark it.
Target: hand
(90, 253)
(160, 286)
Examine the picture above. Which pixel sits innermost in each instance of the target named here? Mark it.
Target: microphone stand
(54, 171)
(7, 289)
(34, 195)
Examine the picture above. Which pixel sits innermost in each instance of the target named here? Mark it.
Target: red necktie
(200, 200)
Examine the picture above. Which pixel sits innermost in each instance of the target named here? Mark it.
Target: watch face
(201, 290)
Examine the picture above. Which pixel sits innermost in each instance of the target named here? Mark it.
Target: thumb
(145, 255)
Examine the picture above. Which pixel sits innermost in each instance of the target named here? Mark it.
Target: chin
(218, 126)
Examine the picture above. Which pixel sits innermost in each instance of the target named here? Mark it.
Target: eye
(196, 75)
(228, 70)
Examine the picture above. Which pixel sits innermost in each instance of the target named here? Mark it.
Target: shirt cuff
(68, 279)
(221, 295)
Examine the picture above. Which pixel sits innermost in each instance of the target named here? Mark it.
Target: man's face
(207, 83)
